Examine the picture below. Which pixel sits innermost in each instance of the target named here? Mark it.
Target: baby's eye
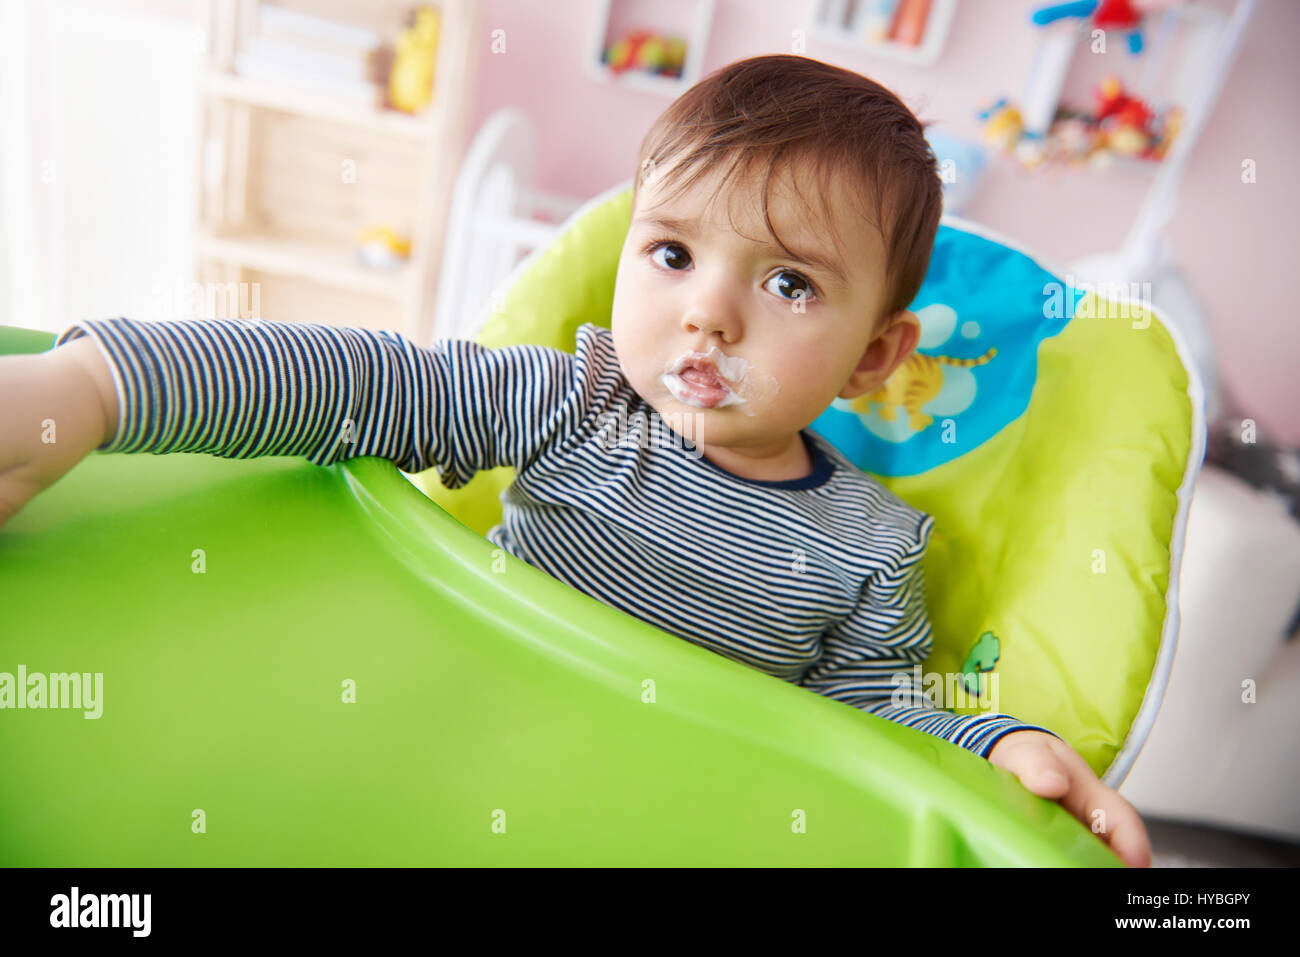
(677, 257)
(792, 286)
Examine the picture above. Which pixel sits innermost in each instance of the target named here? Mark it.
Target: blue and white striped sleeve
(868, 660)
(240, 388)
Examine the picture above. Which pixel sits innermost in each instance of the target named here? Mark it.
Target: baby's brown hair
(782, 108)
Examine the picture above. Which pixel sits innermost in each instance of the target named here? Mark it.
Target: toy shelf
(835, 21)
(1184, 55)
(294, 164)
(318, 262)
(690, 19)
(379, 121)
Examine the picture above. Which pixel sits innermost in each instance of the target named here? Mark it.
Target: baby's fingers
(51, 417)
(1106, 813)
(1122, 828)
(1046, 775)
(15, 492)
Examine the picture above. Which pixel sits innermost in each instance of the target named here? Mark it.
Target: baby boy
(784, 215)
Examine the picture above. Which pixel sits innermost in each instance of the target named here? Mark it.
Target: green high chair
(296, 665)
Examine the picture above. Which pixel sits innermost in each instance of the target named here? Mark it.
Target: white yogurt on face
(739, 386)
(689, 394)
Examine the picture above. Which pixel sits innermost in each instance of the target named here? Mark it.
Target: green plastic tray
(500, 717)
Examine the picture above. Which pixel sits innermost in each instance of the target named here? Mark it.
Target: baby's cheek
(759, 390)
(809, 390)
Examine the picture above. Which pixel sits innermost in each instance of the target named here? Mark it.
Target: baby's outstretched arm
(243, 388)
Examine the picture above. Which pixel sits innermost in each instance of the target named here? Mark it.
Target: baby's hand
(1050, 768)
(55, 408)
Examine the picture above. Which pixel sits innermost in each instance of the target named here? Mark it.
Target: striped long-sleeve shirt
(815, 580)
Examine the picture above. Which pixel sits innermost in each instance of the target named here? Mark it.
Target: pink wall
(1237, 243)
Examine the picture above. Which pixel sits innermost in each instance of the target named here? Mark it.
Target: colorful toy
(381, 248)
(649, 52)
(1002, 125)
(1167, 127)
(1071, 139)
(410, 84)
(1121, 124)
(1124, 121)
(1112, 101)
(1125, 15)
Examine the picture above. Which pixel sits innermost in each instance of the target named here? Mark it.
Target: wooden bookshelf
(291, 172)
(381, 122)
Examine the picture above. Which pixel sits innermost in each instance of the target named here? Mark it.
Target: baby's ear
(913, 323)
(895, 339)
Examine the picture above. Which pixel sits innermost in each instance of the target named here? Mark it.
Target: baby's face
(773, 338)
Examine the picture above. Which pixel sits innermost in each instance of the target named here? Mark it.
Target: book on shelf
(909, 22)
(354, 92)
(360, 66)
(872, 19)
(282, 24)
(878, 22)
(316, 55)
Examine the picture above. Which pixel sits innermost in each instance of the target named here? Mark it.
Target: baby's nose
(717, 314)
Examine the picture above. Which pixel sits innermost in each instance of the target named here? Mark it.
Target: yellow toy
(381, 248)
(1002, 125)
(410, 84)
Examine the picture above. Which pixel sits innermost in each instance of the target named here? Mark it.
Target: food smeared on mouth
(714, 380)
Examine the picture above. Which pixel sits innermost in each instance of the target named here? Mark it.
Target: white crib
(497, 217)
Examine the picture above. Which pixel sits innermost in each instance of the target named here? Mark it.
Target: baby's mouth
(703, 376)
(699, 387)
(695, 379)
